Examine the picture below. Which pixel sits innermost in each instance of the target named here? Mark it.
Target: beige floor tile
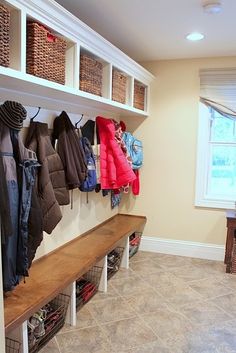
(145, 267)
(133, 285)
(229, 325)
(123, 273)
(90, 340)
(180, 295)
(167, 323)
(204, 313)
(225, 348)
(148, 302)
(111, 293)
(170, 261)
(191, 273)
(225, 335)
(162, 279)
(84, 319)
(227, 302)
(145, 255)
(192, 341)
(210, 288)
(51, 347)
(110, 310)
(209, 265)
(178, 343)
(214, 269)
(229, 280)
(128, 333)
(152, 347)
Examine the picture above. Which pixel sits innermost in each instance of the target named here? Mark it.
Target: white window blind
(218, 90)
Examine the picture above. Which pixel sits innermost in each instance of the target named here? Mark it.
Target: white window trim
(201, 197)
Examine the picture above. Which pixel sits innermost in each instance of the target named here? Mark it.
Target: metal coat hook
(76, 124)
(39, 108)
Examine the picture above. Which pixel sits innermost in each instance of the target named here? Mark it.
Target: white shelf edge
(56, 95)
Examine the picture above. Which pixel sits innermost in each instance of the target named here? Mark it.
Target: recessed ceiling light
(195, 36)
(212, 6)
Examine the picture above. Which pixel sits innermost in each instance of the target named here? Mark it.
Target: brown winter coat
(51, 185)
(69, 149)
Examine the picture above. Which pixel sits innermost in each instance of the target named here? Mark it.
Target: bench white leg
(25, 342)
(71, 312)
(73, 305)
(103, 281)
(125, 257)
(20, 334)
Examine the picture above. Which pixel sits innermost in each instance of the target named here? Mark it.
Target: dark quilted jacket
(51, 185)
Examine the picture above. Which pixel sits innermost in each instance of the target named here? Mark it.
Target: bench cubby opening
(87, 286)
(46, 322)
(134, 243)
(114, 259)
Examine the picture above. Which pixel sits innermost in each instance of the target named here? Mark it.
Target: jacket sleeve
(6, 224)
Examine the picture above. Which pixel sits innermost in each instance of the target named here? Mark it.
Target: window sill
(210, 203)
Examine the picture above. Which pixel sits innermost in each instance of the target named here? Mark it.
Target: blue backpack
(90, 182)
(134, 148)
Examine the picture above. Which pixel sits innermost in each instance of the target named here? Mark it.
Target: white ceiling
(156, 29)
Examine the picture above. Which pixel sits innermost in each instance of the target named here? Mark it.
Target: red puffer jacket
(115, 169)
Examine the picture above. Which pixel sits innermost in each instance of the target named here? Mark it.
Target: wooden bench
(52, 273)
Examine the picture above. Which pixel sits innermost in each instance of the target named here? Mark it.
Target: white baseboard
(183, 248)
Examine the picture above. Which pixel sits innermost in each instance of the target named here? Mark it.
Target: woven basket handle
(51, 38)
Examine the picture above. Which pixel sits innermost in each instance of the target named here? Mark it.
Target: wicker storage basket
(45, 54)
(90, 75)
(139, 95)
(118, 86)
(12, 346)
(4, 36)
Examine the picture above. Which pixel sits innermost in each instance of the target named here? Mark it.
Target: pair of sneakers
(36, 326)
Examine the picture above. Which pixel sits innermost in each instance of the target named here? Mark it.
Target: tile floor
(162, 304)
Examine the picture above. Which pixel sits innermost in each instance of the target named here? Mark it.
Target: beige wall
(81, 218)
(170, 139)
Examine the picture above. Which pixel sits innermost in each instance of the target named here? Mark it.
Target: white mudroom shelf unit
(79, 39)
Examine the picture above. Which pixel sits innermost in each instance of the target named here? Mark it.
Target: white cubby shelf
(80, 38)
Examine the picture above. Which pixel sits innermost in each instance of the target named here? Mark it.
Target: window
(216, 160)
